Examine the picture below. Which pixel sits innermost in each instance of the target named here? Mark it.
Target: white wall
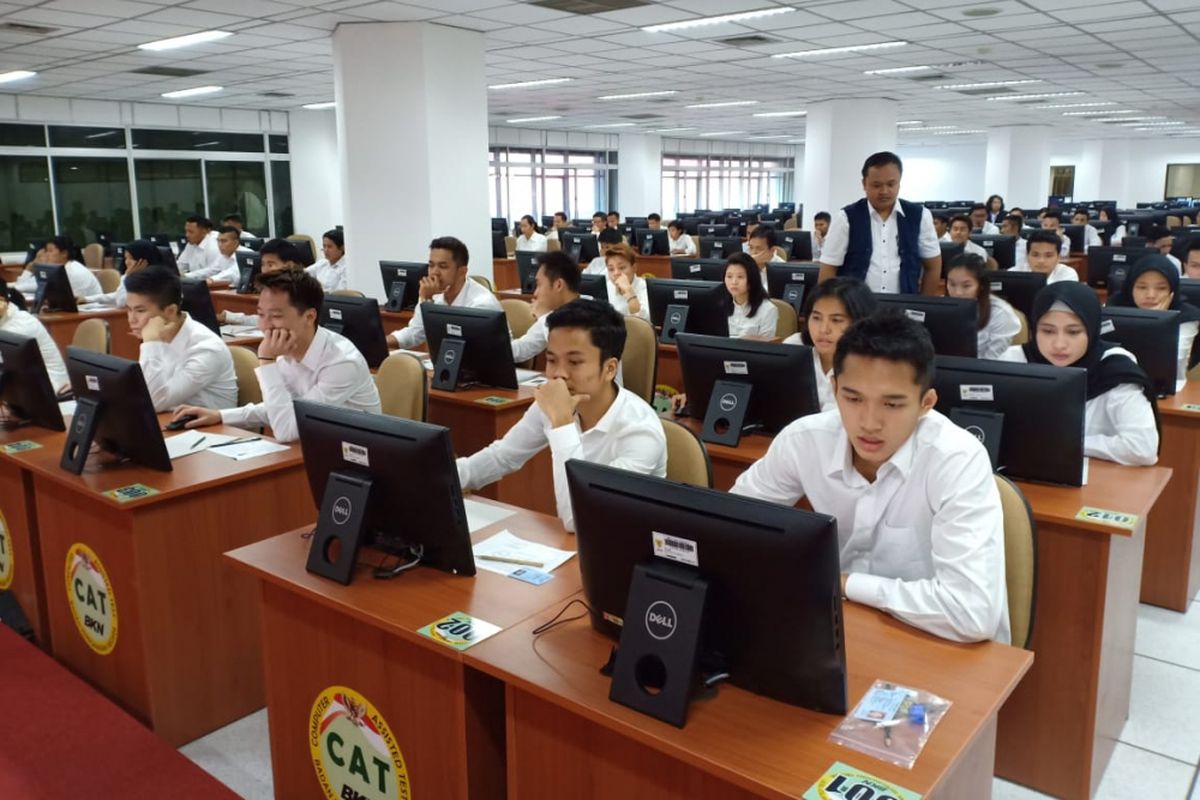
(639, 174)
(78, 111)
(943, 172)
(316, 173)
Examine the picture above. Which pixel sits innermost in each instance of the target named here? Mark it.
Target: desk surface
(1173, 406)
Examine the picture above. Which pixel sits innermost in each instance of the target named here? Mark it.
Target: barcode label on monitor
(737, 368)
(695, 268)
(453, 330)
(681, 294)
(93, 383)
(798, 277)
(356, 454)
(675, 548)
(335, 313)
(997, 286)
(913, 313)
(980, 392)
(1107, 326)
(1118, 258)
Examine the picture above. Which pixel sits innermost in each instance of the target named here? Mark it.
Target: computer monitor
(781, 376)
(357, 318)
(255, 243)
(796, 244)
(636, 222)
(1135, 241)
(1102, 261)
(499, 245)
(1184, 237)
(25, 388)
(1001, 248)
(652, 242)
(113, 409)
(32, 248)
(951, 321)
(402, 282)
(118, 256)
(698, 269)
(583, 247)
(413, 503)
(711, 230)
(180, 243)
(499, 224)
(53, 291)
(547, 221)
(471, 346)
(197, 303)
(773, 611)
(160, 239)
(1039, 408)
(702, 299)
(105, 240)
(1152, 337)
(1190, 289)
(1018, 288)
(1077, 235)
(721, 247)
(249, 266)
(594, 286)
(781, 276)
(527, 269)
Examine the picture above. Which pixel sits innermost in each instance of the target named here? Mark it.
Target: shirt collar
(842, 458)
(316, 349)
(896, 209)
(606, 422)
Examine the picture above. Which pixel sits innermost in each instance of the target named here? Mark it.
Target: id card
(530, 575)
(882, 704)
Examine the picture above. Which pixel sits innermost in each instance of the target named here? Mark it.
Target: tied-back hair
(758, 295)
(855, 296)
(975, 265)
(532, 223)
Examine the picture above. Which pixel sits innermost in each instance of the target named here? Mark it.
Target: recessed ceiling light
(1103, 113)
(175, 42)
(1075, 105)
(722, 133)
(724, 104)
(532, 119)
(1144, 125)
(525, 84)
(613, 125)
(981, 11)
(910, 122)
(987, 84)
(772, 136)
(897, 70)
(1035, 96)
(957, 133)
(829, 51)
(638, 94)
(16, 75)
(672, 130)
(782, 114)
(1126, 119)
(319, 106)
(193, 92)
(930, 128)
(702, 21)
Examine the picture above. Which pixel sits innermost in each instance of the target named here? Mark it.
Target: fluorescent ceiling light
(829, 51)
(532, 119)
(1125, 119)
(956, 133)
(102, 134)
(638, 94)
(1034, 96)
(782, 114)
(986, 84)
(897, 70)
(16, 75)
(614, 125)
(1103, 113)
(319, 106)
(931, 128)
(724, 104)
(524, 84)
(175, 42)
(910, 122)
(1077, 105)
(773, 136)
(1144, 125)
(672, 130)
(194, 91)
(702, 21)
(722, 133)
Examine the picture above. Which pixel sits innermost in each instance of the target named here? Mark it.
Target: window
(22, 135)
(204, 141)
(93, 196)
(75, 136)
(718, 181)
(1183, 180)
(238, 187)
(168, 193)
(281, 196)
(540, 182)
(278, 143)
(1062, 182)
(25, 211)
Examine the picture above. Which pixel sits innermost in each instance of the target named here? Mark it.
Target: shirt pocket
(901, 552)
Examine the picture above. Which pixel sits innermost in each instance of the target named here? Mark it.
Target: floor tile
(1164, 710)
(238, 755)
(1003, 790)
(1133, 772)
(1169, 636)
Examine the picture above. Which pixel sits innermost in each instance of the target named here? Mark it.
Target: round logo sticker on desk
(6, 555)
(90, 596)
(353, 751)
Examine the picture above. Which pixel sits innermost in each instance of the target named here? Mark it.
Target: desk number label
(353, 750)
(19, 447)
(1116, 519)
(134, 491)
(90, 597)
(842, 782)
(459, 630)
(493, 400)
(1191, 407)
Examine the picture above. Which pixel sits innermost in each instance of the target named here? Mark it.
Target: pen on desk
(197, 443)
(519, 561)
(243, 440)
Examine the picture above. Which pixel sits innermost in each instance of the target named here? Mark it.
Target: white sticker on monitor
(980, 392)
(1118, 258)
(798, 277)
(335, 313)
(681, 294)
(453, 330)
(675, 548)
(355, 454)
(1107, 326)
(401, 273)
(737, 368)
(913, 313)
(997, 286)
(695, 268)
(93, 383)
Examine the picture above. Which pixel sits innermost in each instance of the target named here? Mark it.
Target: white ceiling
(1142, 55)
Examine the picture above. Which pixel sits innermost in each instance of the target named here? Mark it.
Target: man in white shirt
(446, 282)
(235, 221)
(296, 360)
(1051, 220)
(919, 517)
(530, 241)
(580, 412)
(139, 254)
(941, 226)
(1160, 237)
(557, 284)
(277, 255)
(960, 231)
(679, 243)
(599, 223)
(761, 247)
(979, 220)
(199, 256)
(60, 250)
(1043, 253)
(1091, 236)
(613, 221)
(226, 266)
(654, 222)
(330, 271)
(560, 222)
(21, 323)
(607, 238)
(1191, 267)
(890, 243)
(183, 362)
(820, 230)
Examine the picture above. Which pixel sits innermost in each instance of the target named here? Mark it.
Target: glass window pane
(24, 201)
(168, 193)
(93, 195)
(238, 187)
(281, 189)
(210, 141)
(278, 142)
(75, 136)
(13, 135)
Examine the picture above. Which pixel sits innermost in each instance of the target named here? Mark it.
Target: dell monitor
(499, 245)
(950, 251)
(1152, 337)
(1115, 261)
(197, 303)
(720, 247)
(1003, 249)
(255, 243)
(357, 318)
(391, 481)
(53, 291)
(471, 346)
(1190, 289)
(1077, 234)
(25, 389)
(652, 242)
(712, 231)
(402, 282)
(249, 266)
(159, 240)
(952, 322)
(1018, 288)
(772, 617)
(582, 247)
(796, 244)
(792, 282)
(1035, 410)
(527, 269)
(691, 306)
(594, 286)
(698, 269)
(499, 224)
(113, 409)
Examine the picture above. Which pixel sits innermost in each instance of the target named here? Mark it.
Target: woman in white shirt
(751, 312)
(998, 321)
(626, 291)
(16, 320)
(1153, 285)
(1120, 420)
(1118, 233)
(829, 311)
(680, 244)
(331, 270)
(530, 241)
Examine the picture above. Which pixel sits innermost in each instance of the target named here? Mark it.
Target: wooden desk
(62, 325)
(1171, 568)
(1058, 730)
(1079, 263)
(186, 659)
(566, 739)
(448, 719)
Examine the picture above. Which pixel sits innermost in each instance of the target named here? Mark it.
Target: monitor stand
(725, 418)
(674, 322)
(341, 526)
(81, 434)
(396, 296)
(449, 360)
(986, 426)
(793, 295)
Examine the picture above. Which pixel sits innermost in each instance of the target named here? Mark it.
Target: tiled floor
(1158, 753)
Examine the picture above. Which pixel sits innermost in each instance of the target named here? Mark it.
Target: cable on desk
(554, 621)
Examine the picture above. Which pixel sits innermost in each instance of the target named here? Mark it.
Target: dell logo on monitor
(660, 620)
(341, 510)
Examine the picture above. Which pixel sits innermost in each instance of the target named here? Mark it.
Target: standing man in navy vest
(888, 243)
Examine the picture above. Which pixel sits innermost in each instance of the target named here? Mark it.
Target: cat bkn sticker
(90, 596)
(354, 752)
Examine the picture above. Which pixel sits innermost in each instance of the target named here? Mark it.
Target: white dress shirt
(596, 266)
(924, 541)
(227, 269)
(989, 229)
(1178, 264)
(1117, 235)
(332, 277)
(22, 323)
(1091, 237)
(200, 261)
(997, 336)
(534, 243)
(194, 369)
(825, 394)
(622, 305)
(628, 436)
(116, 298)
(1020, 258)
(332, 371)
(83, 281)
(683, 246)
(816, 246)
(533, 343)
(473, 295)
(1061, 272)
(975, 250)
(761, 324)
(883, 274)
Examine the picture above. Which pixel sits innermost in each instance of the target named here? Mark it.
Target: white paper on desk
(67, 408)
(188, 443)
(507, 545)
(92, 307)
(480, 515)
(239, 332)
(531, 377)
(247, 450)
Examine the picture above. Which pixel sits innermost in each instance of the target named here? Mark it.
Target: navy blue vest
(858, 251)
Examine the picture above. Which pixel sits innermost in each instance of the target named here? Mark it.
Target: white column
(1018, 165)
(1115, 173)
(316, 176)
(839, 136)
(413, 143)
(639, 174)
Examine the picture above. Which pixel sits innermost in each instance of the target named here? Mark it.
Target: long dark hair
(758, 294)
(974, 265)
(532, 223)
(999, 214)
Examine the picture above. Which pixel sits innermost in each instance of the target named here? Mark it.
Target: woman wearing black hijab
(1121, 417)
(1153, 285)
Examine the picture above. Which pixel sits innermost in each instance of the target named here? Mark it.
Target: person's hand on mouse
(203, 416)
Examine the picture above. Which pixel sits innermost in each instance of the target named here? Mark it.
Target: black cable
(554, 621)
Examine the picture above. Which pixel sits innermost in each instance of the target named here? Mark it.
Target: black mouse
(181, 423)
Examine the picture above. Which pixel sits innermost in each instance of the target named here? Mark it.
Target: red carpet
(59, 738)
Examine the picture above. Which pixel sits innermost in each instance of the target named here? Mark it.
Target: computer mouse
(181, 423)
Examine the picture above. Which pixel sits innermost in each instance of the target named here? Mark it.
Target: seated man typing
(919, 517)
(580, 412)
(297, 360)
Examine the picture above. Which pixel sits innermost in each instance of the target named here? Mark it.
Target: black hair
(158, 283)
(558, 265)
(229, 229)
(882, 159)
(943, 218)
(823, 216)
(757, 294)
(203, 222)
(144, 250)
(12, 295)
(1018, 221)
(66, 244)
(1017, 211)
(977, 207)
(235, 217)
(457, 249)
(1053, 212)
(1045, 237)
(532, 222)
(337, 237)
(892, 336)
(613, 213)
(287, 251)
(854, 295)
(975, 265)
(960, 218)
(1112, 215)
(610, 236)
(988, 204)
(764, 232)
(600, 214)
(677, 224)
(603, 322)
(558, 214)
(655, 217)
(303, 290)
(1156, 232)
(1080, 210)
(1193, 245)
